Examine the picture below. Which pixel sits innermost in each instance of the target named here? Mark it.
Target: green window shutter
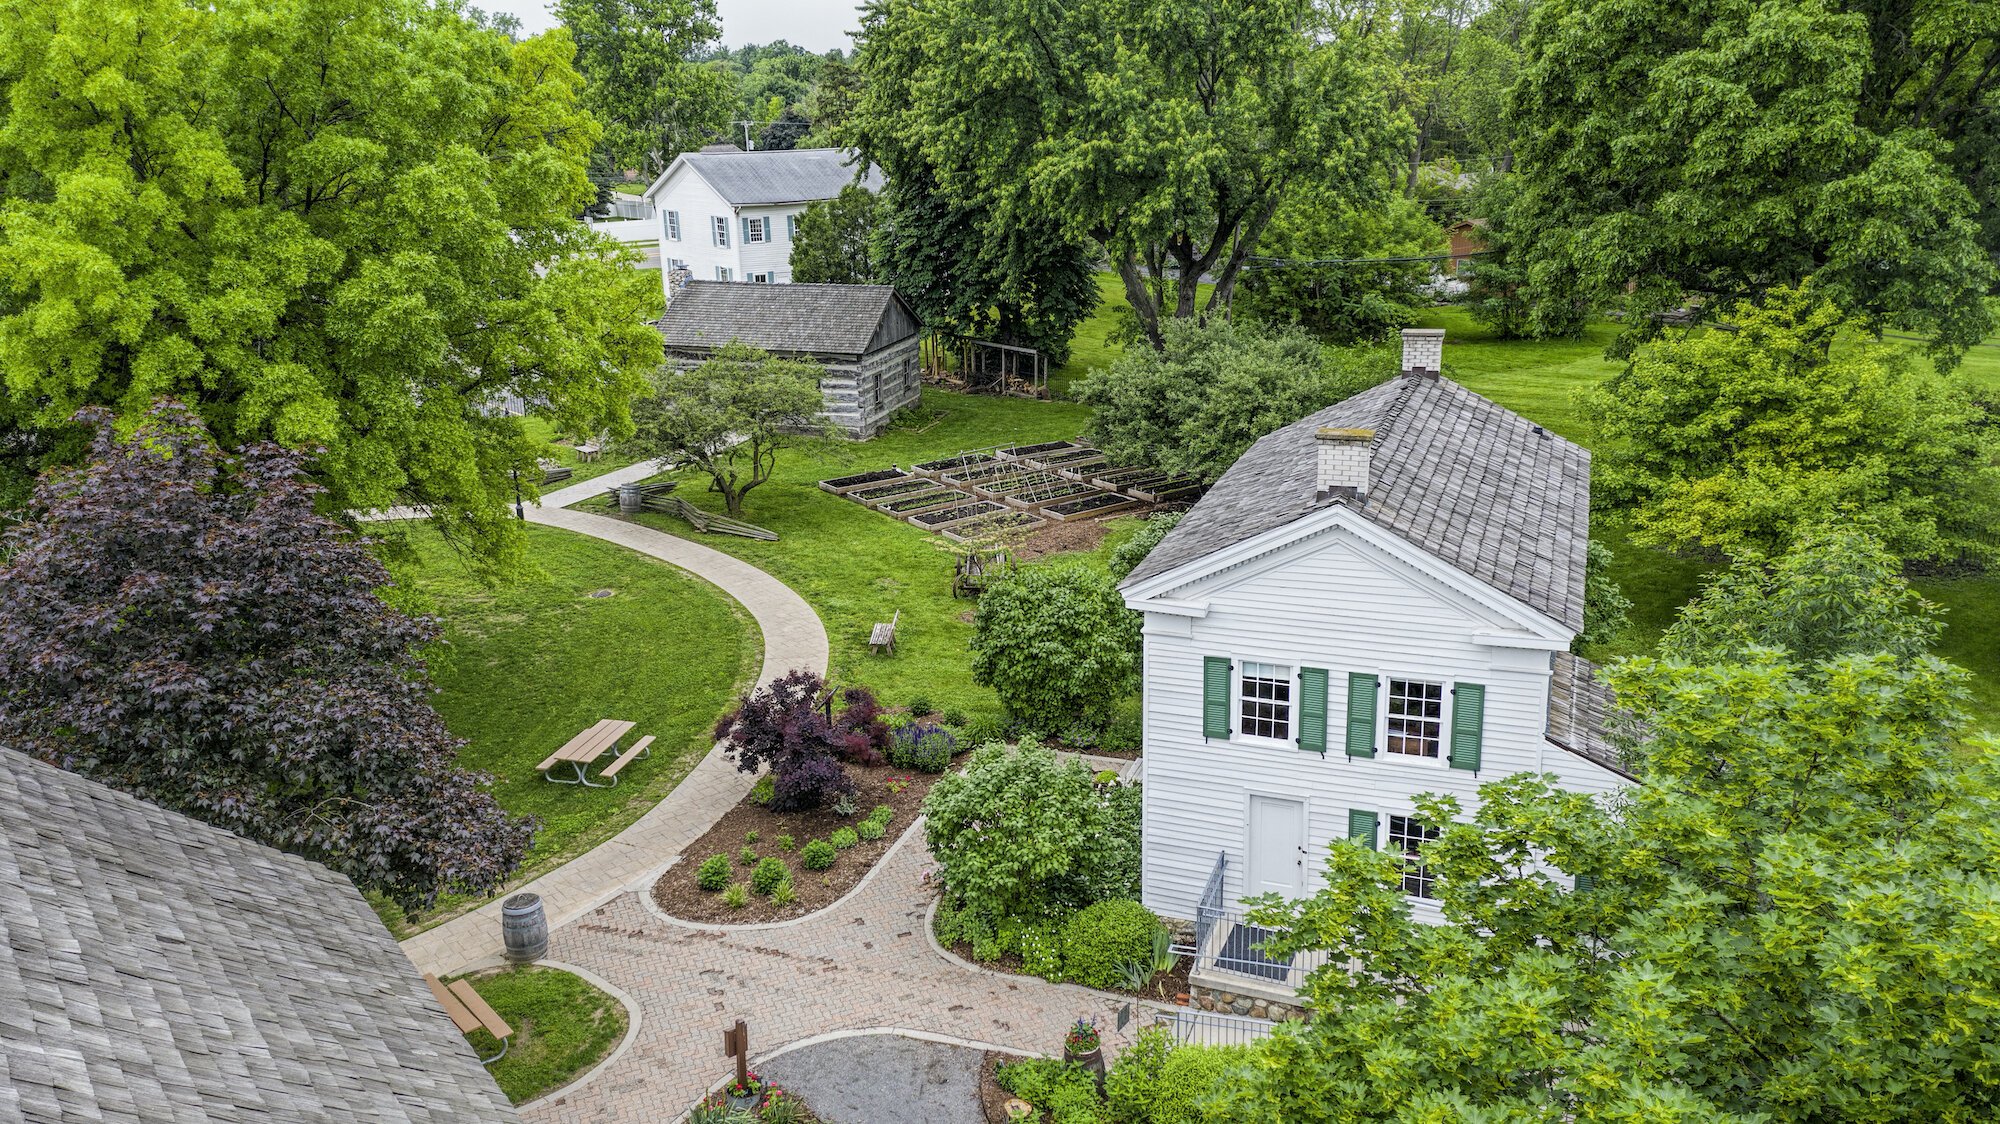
(1361, 715)
(1468, 724)
(1585, 883)
(1215, 697)
(746, 230)
(1312, 709)
(1361, 827)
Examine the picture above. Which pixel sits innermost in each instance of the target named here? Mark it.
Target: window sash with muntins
(1406, 835)
(674, 225)
(1264, 701)
(721, 231)
(1415, 717)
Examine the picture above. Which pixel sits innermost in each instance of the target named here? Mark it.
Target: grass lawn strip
(528, 663)
(677, 893)
(566, 455)
(562, 1026)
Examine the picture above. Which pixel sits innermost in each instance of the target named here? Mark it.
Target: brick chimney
(1343, 462)
(1423, 352)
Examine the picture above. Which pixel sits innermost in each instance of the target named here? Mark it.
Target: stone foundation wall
(1230, 1003)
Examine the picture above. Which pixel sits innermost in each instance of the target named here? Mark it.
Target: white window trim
(759, 231)
(723, 273)
(673, 225)
(1236, 704)
(719, 231)
(1443, 758)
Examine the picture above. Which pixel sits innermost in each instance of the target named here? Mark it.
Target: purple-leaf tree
(183, 626)
(784, 727)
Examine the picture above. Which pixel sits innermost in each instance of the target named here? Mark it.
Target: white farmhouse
(724, 214)
(1373, 603)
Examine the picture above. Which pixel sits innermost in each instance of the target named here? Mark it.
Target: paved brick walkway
(863, 963)
(793, 638)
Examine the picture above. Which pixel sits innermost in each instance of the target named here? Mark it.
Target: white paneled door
(1277, 861)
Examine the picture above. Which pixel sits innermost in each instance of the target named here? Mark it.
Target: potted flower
(1083, 1046)
(746, 1093)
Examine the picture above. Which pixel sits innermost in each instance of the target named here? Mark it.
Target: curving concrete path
(793, 638)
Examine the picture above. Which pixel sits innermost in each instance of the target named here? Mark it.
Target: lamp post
(519, 513)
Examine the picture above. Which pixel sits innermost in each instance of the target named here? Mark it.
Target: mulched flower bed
(1163, 988)
(678, 895)
(992, 1098)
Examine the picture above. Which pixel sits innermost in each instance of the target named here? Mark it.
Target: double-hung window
(673, 226)
(791, 228)
(756, 230)
(722, 273)
(1406, 836)
(1416, 717)
(1264, 701)
(721, 230)
(765, 278)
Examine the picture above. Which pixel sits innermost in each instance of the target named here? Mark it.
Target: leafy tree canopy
(342, 224)
(1353, 300)
(1058, 644)
(182, 626)
(833, 241)
(1169, 125)
(1785, 922)
(1197, 403)
(642, 84)
(1714, 150)
(731, 416)
(1731, 441)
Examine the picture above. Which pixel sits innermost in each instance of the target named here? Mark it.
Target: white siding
(1338, 603)
(699, 206)
(774, 256)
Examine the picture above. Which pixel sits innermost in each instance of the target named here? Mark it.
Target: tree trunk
(1232, 267)
(1140, 300)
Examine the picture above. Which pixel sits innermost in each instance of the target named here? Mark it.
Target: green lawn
(856, 566)
(580, 470)
(562, 1027)
(529, 662)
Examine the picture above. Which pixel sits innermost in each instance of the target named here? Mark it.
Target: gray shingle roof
(798, 319)
(1579, 705)
(1457, 475)
(155, 969)
(795, 175)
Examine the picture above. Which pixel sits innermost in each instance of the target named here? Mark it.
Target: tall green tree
(642, 81)
(834, 239)
(1787, 921)
(1733, 442)
(343, 224)
(1712, 150)
(731, 416)
(1166, 129)
(1351, 300)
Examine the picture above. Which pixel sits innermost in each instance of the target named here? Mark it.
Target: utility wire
(1289, 263)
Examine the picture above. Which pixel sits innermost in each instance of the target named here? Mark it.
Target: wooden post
(736, 1041)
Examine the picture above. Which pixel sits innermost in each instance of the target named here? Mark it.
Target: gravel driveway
(883, 1079)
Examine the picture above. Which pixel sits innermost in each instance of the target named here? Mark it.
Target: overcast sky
(816, 25)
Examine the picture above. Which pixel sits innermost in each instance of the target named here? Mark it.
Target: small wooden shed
(864, 335)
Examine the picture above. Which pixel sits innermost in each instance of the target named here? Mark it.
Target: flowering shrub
(752, 1085)
(1082, 1038)
(923, 746)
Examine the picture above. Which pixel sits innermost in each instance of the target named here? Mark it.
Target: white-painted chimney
(1423, 351)
(1343, 462)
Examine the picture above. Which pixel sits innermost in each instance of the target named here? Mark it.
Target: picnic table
(470, 1012)
(585, 748)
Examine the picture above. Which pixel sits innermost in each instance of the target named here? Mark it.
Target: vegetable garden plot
(963, 460)
(1025, 451)
(887, 491)
(959, 514)
(987, 524)
(841, 484)
(1090, 506)
(923, 501)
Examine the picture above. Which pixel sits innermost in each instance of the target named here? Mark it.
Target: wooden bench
(469, 1012)
(639, 749)
(883, 636)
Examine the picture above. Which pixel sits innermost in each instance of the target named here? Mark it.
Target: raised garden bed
(1072, 456)
(966, 532)
(844, 483)
(950, 515)
(992, 471)
(1113, 477)
(1032, 450)
(677, 893)
(1090, 506)
(885, 491)
(946, 464)
(903, 505)
(1049, 496)
(1164, 489)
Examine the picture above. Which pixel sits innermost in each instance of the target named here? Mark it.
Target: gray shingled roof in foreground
(1459, 476)
(791, 175)
(798, 319)
(1579, 705)
(155, 969)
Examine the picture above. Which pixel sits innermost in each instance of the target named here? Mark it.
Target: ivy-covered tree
(1786, 921)
(182, 626)
(832, 246)
(1058, 644)
(1732, 442)
(1716, 149)
(345, 224)
(1211, 390)
(731, 416)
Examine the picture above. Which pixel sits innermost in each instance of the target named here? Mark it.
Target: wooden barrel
(524, 929)
(629, 498)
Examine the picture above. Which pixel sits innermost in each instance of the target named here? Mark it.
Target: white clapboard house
(1372, 603)
(724, 214)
